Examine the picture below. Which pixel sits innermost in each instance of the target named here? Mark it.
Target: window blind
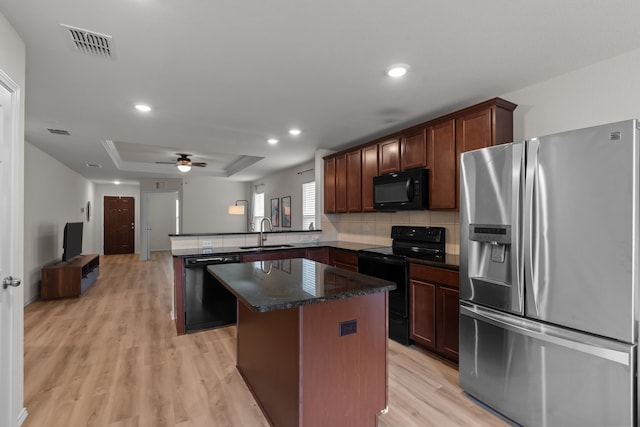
(308, 204)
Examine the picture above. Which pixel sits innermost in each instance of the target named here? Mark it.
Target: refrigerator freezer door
(581, 229)
(490, 248)
(541, 375)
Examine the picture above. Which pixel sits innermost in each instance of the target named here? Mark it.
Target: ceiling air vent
(90, 42)
(59, 131)
(93, 165)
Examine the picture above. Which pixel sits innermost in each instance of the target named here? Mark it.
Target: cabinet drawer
(434, 275)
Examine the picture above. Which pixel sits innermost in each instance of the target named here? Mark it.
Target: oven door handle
(385, 259)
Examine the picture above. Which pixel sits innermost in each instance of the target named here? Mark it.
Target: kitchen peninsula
(311, 340)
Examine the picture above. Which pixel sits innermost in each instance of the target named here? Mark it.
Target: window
(258, 209)
(308, 204)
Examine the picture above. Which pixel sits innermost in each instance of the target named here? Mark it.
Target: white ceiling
(223, 76)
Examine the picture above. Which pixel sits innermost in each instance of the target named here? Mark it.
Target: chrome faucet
(262, 237)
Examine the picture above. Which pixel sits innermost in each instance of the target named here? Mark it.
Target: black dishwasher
(207, 303)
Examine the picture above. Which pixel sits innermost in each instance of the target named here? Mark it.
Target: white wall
(608, 91)
(287, 183)
(54, 195)
(128, 190)
(162, 220)
(205, 202)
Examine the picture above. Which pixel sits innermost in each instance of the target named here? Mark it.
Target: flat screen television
(72, 244)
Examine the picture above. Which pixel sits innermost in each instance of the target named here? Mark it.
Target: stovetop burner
(426, 243)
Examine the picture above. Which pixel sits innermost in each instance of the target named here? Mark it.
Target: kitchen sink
(256, 248)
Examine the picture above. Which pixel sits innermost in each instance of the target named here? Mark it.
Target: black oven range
(391, 263)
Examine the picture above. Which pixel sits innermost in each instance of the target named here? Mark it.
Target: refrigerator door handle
(529, 221)
(516, 218)
(599, 347)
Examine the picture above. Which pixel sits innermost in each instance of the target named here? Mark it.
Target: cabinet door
(369, 170)
(344, 259)
(354, 180)
(448, 311)
(473, 130)
(423, 313)
(318, 255)
(441, 158)
(330, 185)
(413, 150)
(341, 183)
(274, 255)
(389, 152)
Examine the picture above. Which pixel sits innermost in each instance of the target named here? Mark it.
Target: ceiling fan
(184, 163)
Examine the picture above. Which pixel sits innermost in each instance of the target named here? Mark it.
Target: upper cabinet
(369, 170)
(330, 185)
(441, 161)
(354, 179)
(436, 144)
(341, 183)
(413, 149)
(389, 152)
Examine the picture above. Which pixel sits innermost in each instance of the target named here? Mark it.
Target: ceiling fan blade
(166, 163)
(199, 164)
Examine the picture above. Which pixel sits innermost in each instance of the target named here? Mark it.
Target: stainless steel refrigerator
(549, 277)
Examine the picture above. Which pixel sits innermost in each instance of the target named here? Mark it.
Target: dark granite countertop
(232, 233)
(190, 252)
(277, 285)
(451, 262)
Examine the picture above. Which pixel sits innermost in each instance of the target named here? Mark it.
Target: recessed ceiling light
(143, 107)
(397, 70)
(272, 141)
(294, 131)
(116, 182)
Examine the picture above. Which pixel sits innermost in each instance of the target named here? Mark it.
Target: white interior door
(12, 412)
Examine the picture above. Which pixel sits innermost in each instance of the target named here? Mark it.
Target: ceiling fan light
(184, 168)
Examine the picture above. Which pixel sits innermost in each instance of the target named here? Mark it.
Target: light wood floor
(112, 358)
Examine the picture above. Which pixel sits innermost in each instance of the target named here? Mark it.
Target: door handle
(10, 281)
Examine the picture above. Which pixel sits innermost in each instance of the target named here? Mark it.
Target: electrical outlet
(349, 327)
(206, 244)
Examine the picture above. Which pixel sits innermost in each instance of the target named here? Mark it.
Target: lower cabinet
(318, 255)
(343, 258)
(434, 309)
(273, 255)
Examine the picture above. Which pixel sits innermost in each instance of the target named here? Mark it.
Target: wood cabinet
(413, 149)
(330, 185)
(434, 309)
(71, 278)
(341, 183)
(436, 144)
(274, 254)
(389, 152)
(369, 170)
(354, 180)
(441, 161)
(318, 255)
(343, 258)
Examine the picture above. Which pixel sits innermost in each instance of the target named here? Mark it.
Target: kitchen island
(311, 341)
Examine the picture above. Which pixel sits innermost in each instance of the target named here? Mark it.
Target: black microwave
(404, 190)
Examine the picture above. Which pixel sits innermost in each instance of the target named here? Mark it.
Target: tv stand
(69, 278)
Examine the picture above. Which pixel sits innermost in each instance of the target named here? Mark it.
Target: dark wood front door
(119, 225)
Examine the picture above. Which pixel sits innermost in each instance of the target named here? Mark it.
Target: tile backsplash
(375, 227)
